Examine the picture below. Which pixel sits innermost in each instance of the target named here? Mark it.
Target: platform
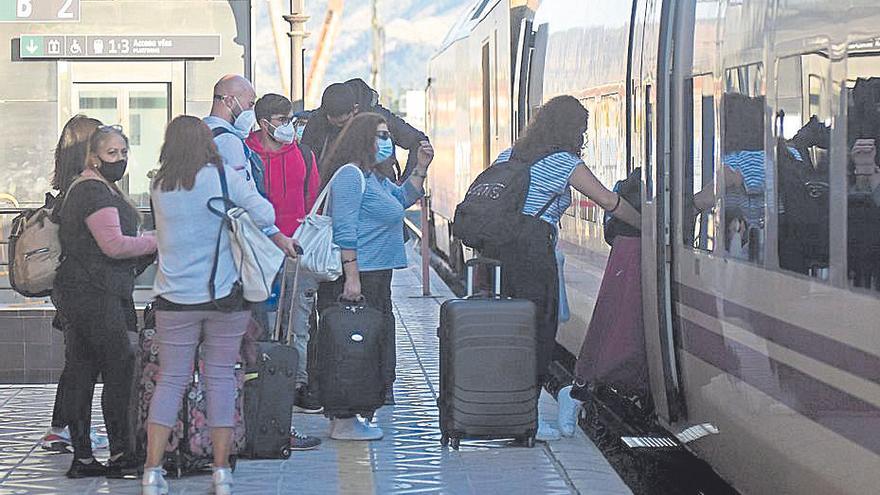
(408, 460)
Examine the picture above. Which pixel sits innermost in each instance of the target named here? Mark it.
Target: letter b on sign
(25, 8)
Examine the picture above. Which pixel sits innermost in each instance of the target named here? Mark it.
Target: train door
(649, 144)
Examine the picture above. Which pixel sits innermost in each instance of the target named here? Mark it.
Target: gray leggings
(178, 334)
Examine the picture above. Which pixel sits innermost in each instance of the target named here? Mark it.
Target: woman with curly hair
(552, 144)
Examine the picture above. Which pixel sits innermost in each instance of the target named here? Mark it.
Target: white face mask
(245, 121)
(284, 133)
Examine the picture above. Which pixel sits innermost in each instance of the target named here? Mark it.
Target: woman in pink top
(102, 255)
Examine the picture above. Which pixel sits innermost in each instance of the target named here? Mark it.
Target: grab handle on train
(471, 273)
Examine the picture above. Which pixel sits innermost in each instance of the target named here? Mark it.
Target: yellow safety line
(354, 465)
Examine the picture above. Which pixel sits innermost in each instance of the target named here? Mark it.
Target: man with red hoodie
(292, 182)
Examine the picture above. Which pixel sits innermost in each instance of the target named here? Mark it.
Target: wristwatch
(422, 175)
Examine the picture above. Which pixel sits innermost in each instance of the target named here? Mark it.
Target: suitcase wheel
(444, 440)
(285, 453)
(530, 442)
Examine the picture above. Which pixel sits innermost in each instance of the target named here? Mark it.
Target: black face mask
(113, 171)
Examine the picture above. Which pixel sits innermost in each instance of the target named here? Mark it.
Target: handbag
(257, 259)
(321, 255)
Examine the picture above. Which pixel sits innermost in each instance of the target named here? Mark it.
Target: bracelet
(345, 262)
(616, 206)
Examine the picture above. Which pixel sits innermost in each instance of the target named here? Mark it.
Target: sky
(414, 30)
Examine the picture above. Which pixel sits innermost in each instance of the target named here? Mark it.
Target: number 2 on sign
(25, 9)
(64, 12)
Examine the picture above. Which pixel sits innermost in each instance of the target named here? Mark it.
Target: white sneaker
(153, 482)
(353, 429)
(58, 440)
(569, 408)
(546, 433)
(223, 481)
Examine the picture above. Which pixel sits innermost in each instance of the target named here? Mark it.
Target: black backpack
(629, 189)
(492, 208)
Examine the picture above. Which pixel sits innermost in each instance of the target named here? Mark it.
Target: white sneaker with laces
(353, 429)
(569, 408)
(153, 482)
(223, 481)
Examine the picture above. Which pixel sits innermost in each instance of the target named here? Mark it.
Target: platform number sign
(39, 10)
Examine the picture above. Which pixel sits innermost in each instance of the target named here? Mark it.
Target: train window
(699, 170)
(743, 162)
(863, 168)
(803, 132)
(649, 143)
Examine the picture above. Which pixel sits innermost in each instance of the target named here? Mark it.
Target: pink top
(105, 228)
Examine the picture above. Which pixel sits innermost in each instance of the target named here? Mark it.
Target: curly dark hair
(355, 144)
(559, 125)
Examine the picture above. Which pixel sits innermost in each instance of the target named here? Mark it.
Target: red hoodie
(285, 173)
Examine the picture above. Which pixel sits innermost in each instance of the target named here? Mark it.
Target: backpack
(34, 247)
(491, 211)
(258, 170)
(629, 190)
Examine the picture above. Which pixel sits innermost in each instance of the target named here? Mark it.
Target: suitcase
(270, 385)
(488, 366)
(190, 448)
(348, 363)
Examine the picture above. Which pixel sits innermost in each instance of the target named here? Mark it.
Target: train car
(760, 245)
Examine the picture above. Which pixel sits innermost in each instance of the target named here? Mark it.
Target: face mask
(385, 150)
(245, 121)
(113, 171)
(284, 134)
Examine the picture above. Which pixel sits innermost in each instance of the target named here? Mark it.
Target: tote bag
(321, 255)
(257, 259)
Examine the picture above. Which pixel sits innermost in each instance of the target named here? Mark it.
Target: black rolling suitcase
(488, 366)
(270, 385)
(348, 363)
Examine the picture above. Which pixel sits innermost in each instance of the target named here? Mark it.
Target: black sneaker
(79, 469)
(126, 466)
(303, 442)
(305, 402)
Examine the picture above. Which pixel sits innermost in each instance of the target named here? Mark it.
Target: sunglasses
(383, 134)
(110, 128)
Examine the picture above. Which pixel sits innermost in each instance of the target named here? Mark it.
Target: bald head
(233, 94)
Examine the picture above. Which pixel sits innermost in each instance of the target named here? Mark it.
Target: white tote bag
(257, 259)
(321, 255)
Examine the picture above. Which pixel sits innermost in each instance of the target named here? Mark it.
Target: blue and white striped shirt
(549, 179)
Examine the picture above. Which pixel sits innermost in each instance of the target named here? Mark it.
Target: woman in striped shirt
(552, 143)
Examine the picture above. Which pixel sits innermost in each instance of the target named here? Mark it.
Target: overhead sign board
(39, 10)
(59, 46)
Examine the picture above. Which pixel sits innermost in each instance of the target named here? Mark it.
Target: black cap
(338, 100)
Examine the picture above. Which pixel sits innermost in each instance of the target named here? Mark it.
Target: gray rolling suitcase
(488, 366)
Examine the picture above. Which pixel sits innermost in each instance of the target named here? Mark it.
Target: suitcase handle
(472, 264)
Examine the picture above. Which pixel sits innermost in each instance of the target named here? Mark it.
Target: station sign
(52, 46)
(39, 10)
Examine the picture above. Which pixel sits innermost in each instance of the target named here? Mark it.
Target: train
(761, 309)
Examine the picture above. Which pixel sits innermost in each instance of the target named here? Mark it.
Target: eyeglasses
(383, 134)
(110, 128)
(285, 119)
